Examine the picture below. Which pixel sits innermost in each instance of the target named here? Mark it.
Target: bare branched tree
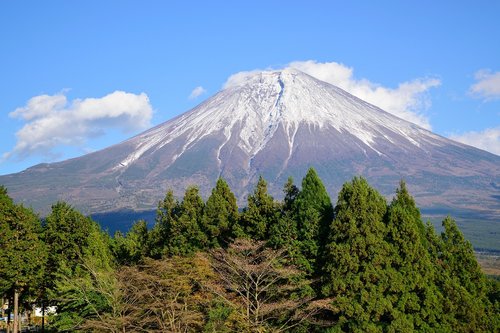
(158, 296)
(259, 280)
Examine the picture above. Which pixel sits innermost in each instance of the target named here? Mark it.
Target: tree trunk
(43, 316)
(3, 310)
(16, 311)
(9, 312)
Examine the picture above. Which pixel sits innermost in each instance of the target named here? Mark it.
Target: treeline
(299, 265)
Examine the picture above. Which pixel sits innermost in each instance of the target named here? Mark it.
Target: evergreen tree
(23, 253)
(314, 213)
(87, 288)
(6, 214)
(357, 258)
(186, 235)
(260, 213)
(66, 235)
(220, 216)
(134, 246)
(167, 215)
(283, 233)
(291, 192)
(415, 300)
(466, 303)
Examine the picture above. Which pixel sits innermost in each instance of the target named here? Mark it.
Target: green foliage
(314, 214)
(283, 233)
(466, 305)
(166, 216)
(356, 270)
(376, 267)
(66, 235)
(89, 288)
(23, 253)
(220, 218)
(79, 258)
(415, 300)
(186, 235)
(291, 192)
(260, 213)
(222, 318)
(134, 246)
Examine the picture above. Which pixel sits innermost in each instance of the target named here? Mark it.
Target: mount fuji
(275, 124)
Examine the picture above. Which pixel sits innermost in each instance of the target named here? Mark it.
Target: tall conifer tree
(260, 213)
(357, 256)
(314, 214)
(220, 216)
(167, 214)
(186, 235)
(283, 233)
(415, 301)
(466, 304)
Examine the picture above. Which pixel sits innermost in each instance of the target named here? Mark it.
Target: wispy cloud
(487, 86)
(488, 140)
(409, 100)
(53, 121)
(198, 91)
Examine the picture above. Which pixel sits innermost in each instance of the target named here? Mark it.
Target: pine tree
(357, 258)
(314, 213)
(220, 215)
(260, 213)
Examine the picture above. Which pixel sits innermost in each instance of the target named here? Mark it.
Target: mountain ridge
(276, 124)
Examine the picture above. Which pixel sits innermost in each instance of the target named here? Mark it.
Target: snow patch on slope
(260, 103)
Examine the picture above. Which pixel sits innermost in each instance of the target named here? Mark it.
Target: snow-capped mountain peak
(254, 109)
(275, 124)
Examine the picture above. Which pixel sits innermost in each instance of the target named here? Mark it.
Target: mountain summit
(275, 124)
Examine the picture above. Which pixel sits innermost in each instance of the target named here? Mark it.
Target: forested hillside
(300, 265)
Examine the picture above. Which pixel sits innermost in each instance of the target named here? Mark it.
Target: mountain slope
(276, 124)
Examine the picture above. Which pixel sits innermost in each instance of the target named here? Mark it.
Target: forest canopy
(297, 265)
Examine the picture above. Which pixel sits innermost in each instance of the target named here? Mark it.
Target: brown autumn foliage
(272, 294)
(262, 292)
(165, 295)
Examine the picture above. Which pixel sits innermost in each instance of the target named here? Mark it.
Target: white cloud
(487, 85)
(488, 140)
(408, 101)
(52, 121)
(198, 91)
(238, 78)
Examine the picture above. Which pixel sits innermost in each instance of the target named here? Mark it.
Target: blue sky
(77, 76)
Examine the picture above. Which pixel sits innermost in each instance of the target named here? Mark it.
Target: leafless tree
(271, 292)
